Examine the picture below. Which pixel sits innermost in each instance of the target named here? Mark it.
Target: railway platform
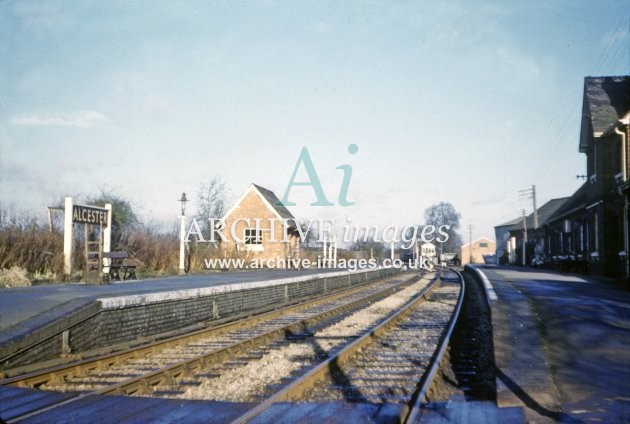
(44, 322)
(403, 345)
(560, 348)
(23, 309)
(560, 345)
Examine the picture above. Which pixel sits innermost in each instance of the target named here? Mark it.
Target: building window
(253, 236)
(483, 244)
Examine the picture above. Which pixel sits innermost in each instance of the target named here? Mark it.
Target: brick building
(259, 226)
(592, 226)
(478, 251)
(588, 231)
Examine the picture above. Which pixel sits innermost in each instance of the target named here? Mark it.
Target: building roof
(509, 223)
(545, 213)
(577, 202)
(481, 239)
(272, 201)
(606, 100)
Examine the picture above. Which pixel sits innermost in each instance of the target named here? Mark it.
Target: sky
(466, 102)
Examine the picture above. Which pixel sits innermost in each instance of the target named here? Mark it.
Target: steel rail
(186, 367)
(294, 391)
(142, 384)
(420, 397)
(60, 373)
(94, 304)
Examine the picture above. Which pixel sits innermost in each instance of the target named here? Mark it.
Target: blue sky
(466, 102)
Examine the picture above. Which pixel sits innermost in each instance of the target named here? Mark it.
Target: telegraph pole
(524, 237)
(530, 193)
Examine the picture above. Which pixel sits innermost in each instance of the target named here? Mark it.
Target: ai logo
(313, 180)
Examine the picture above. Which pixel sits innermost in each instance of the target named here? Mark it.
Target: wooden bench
(120, 266)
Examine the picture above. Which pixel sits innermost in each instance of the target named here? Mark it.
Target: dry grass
(31, 251)
(14, 277)
(156, 253)
(31, 247)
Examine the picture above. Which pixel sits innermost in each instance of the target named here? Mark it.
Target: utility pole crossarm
(530, 193)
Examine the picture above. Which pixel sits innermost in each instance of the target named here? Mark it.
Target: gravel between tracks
(132, 367)
(244, 383)
(371, 375)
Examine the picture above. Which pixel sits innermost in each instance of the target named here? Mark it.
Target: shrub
(156, 253)
(27, 244)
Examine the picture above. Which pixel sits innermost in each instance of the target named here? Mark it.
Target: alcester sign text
(89, 215)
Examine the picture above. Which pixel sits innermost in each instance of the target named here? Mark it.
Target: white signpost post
(89, 216)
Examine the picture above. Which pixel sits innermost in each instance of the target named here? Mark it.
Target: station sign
(89, 215)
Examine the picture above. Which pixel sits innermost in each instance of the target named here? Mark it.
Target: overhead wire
(608, 57)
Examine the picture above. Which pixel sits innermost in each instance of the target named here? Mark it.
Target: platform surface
(23, 309)
(129, 409)
(561, 345)
(113, 409)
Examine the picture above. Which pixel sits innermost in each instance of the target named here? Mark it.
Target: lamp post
(182, 235)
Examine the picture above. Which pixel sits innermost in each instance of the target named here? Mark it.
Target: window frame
(252, 237)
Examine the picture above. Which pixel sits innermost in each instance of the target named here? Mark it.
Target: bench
(120, 266)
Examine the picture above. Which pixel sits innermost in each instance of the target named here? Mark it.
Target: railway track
(164, 367)
(393, 364)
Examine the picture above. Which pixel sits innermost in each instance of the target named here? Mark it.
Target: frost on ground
(133, 367)
(365, 318)
(411, 344)
(243, 383)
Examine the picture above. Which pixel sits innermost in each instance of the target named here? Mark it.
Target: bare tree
(311, 235)
(441, 214)
(211, 198)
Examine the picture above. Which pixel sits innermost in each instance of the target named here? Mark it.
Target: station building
(510, 235)
(588, 231)
(258, 226)
(592, 227)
